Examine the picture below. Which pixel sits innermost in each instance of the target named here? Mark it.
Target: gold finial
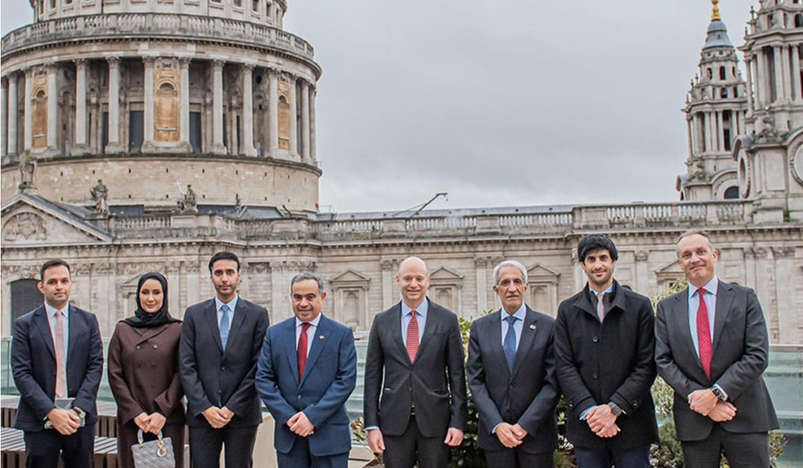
(715, 14)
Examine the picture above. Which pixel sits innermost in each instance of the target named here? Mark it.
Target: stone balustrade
(161, 25)
(562, 220)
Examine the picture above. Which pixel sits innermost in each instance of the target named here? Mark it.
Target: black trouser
(743, 450)
(403, 451)
(42, 448)
(206, 443)
(516, 458)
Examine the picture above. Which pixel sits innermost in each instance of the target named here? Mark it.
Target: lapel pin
(320, 337)
(532, 327)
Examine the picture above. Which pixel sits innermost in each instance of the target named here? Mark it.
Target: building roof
(717, 35)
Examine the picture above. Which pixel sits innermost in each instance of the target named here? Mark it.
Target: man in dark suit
(511, 373)
(220, 343)
(605, 344)
(415, 348)
(57, 356)
(307, 370)
(712, 347)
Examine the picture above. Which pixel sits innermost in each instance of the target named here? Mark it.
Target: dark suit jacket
(143, 372)
(33, 363)
(435, 382)
(610, 361)
(741, 349)
(212, 377)
(329, 378)
(528, 396)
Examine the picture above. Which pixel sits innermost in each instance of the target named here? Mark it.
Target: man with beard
(221, 340)
(604, 344)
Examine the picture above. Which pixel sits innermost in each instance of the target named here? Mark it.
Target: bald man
(415, 348)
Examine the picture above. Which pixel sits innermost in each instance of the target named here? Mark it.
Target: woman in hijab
(143, 372)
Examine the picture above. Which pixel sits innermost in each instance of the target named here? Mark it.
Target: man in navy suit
(307, 370)
(511, 373)
(57, 354)
(220, 343)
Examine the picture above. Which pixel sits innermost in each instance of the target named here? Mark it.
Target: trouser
(301, 457)
(636, 457)
(43, 448)
(516, 458)
(743, 450)
(404, 450)
(206, 443)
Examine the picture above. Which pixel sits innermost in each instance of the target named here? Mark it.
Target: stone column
(312, 128)
(148, 144)
(248, 148)
(720, 132)
(698, 135)
(482, 286)
(749, 69)
(4, 119)
(28, 123)
(787, 78)
(52, 108)
(691, 137)
(796, 74)
(273, 112)
(184, 105)
(13, 114)
(778, 75)
(305, 137)
(217, 107)
(707, 124)
(758, 65)
(80, 146)
(113, 145)
(293, 116)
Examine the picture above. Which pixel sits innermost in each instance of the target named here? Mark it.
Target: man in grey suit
(511, 373)
(415, 348)
(712, 347)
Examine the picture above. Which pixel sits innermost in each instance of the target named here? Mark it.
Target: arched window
(724, 93)
(723, 74)
(798, 20)
(709, 73)
(731, 193)
(25, 297)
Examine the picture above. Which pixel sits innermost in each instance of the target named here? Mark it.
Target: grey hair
(509, 263)
(697, 232)
(304, 276)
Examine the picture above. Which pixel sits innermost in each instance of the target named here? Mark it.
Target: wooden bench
(12, 450)
(106, 425)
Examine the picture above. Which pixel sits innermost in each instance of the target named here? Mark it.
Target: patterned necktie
(601, 306)
(510, 342)
(302, 350)
(61, 358)
(412, 336)
(704, 333)
(224, 325)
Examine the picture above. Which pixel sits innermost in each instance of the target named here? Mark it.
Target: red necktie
(704, 333)
(302, 350)
(412, 337)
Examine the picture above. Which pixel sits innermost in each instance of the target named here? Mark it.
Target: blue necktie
(224, 325)
(510, 342)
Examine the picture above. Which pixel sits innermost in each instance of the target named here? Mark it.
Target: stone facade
(147, 221)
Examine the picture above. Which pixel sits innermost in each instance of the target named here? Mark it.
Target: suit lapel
(146, 334)
(584, 303)
(211, 317)
(494, 331)
(528, 331)
(237, 322)
(288, 333)
(398, 338)
(429, 329)
(40, 319)
(724, 301)
(319, 341)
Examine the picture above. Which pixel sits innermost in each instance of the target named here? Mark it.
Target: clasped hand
(301, 425)
(602, 421)
(510, 435)
(65, 421)
(150, 423)
(218, 417)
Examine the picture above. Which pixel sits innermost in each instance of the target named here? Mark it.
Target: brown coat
(143, 375)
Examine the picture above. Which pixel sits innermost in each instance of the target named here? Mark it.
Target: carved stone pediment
(30, 221)
(540, 274)
(350, 278)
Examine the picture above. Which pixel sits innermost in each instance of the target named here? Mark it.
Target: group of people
(603, 352)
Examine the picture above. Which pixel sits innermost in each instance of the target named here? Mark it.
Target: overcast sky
(498, 103)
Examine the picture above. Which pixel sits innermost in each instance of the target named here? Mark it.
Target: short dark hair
(51, 264)
(594, 242)
(223, 256)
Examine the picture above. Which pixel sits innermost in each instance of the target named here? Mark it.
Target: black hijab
(142, 319)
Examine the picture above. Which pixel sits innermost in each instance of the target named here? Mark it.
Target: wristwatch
(615, 409)
(717, 391)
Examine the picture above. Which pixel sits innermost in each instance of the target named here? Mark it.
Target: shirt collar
(595, 292)
(520, 314)
(232, 304)
(422, 309)
(314, 323)
(710, 287)
(51, 311)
